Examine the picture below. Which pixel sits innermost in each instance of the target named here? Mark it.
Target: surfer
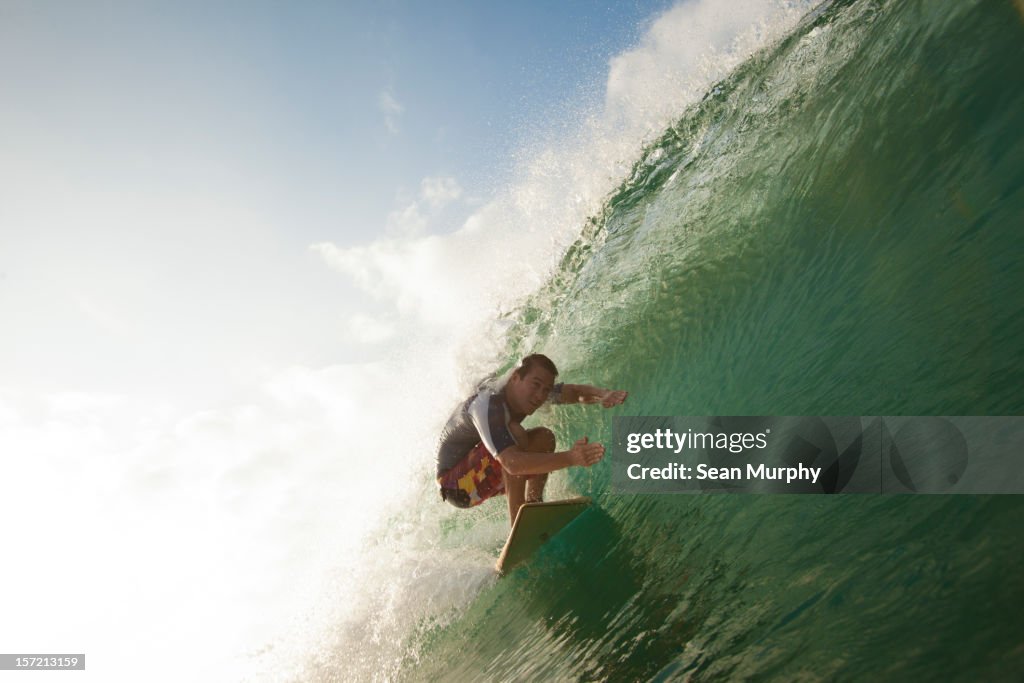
(484, 451)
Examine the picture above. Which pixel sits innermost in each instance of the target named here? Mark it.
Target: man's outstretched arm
(521, 462)
(586, 393)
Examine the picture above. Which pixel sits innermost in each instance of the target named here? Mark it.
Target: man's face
(526, 394)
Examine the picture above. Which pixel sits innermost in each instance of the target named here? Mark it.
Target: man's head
(530, 384)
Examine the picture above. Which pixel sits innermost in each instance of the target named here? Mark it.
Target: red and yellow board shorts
(476, 478)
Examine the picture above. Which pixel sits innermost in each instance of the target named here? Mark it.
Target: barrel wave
(834, 229)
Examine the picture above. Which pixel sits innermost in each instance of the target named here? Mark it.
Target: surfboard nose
(535, 525)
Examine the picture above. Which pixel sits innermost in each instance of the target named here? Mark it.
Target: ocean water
(836, 227)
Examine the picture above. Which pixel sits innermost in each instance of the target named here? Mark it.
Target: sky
(165, 169)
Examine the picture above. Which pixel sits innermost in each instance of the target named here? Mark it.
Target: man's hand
(606, 397)
(614, 398)
(584, 454)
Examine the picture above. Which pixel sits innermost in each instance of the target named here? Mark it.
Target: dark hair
(532, 360)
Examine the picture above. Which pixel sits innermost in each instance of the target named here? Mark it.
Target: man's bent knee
(541, 440)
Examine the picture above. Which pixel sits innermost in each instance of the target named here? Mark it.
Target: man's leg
(529, 488)
(542, 440)
(535, 487)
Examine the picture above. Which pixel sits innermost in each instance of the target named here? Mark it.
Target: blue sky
(167, 165)
(288, 99)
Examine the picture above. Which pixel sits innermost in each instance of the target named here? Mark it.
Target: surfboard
(535, 524)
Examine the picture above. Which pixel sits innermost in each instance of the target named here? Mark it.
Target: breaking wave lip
(560, 185)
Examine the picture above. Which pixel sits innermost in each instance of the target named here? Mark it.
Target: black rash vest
(482, 418)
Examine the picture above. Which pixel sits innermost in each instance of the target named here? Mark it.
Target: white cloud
(404, 272)
(451, 280)
(392, 110)
(408, 221)
(365, 329)
(435, 195)
(439, 192)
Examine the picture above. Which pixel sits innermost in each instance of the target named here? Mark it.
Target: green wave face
(836, 229)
